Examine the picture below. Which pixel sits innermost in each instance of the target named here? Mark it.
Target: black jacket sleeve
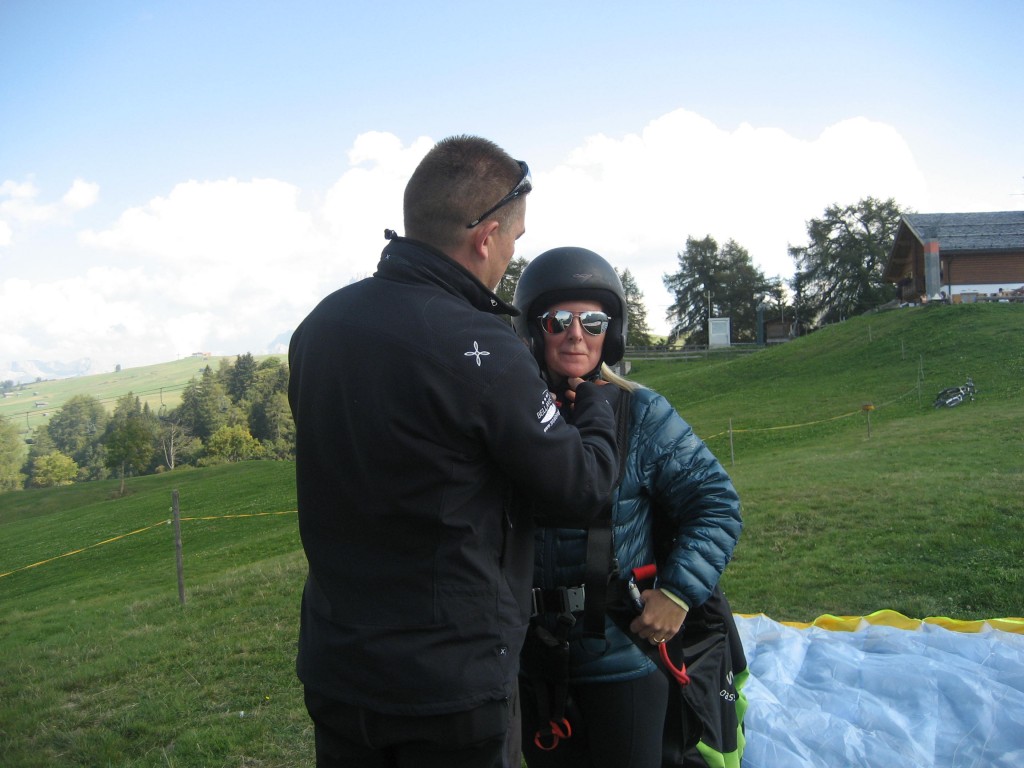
(569, 469)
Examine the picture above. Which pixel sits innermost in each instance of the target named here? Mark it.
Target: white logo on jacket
(548, 413)
(476, 352)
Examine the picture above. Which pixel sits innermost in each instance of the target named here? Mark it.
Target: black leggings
(614, 725)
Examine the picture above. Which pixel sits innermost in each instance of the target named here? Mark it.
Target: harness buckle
(575, 597)
(559, 600)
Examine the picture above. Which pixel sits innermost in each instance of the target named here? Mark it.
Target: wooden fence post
(868, 408)
(177, 546)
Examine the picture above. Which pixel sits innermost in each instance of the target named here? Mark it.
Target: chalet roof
(993, 231)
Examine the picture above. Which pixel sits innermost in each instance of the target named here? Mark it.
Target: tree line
(236, 413)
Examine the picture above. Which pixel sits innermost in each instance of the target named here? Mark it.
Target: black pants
(354, 737)
(614, 725)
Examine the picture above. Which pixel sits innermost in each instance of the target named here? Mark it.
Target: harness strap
(552, 690)
(601, 564)
(598, 573)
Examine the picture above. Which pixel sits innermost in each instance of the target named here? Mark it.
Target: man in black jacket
(424, 435)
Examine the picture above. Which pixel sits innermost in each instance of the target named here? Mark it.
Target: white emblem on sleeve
(476, 352)
(548, 413)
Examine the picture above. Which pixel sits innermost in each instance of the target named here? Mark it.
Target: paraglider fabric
(884, 690)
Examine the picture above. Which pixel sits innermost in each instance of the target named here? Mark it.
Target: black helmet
(563, 274)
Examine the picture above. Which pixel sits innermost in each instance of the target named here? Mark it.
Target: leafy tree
(638, 333)
(12, 450)
(240, 377)
(76, 431)
(129, 438)
(39, 445)
(269, 416)
(507, 287)
(231, 444)
(692, 286)
(714, 282)
(271, 379)
(776, 298)
(270, 422)
(839, 272)
(54, 469)
(204, 405)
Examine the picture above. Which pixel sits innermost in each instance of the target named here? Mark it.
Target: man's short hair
(457, 180)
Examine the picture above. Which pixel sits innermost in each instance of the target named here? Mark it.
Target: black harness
(602, 588)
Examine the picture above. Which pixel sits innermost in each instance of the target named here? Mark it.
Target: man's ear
(483, 238)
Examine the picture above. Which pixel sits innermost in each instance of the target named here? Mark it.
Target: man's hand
(570, 393)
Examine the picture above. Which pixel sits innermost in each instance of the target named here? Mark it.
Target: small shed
(957, 254)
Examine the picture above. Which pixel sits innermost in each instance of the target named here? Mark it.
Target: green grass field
(100, 665)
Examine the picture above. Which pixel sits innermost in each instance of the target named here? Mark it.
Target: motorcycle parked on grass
(951, 397)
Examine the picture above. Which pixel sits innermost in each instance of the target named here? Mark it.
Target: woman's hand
(661, 618)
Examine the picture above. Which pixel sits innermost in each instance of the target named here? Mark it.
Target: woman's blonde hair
(619, 381)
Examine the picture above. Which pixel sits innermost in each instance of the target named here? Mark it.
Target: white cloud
(25, 190)
(20, 206)
(81, 195)
(226, 266)
(368, 198)
(226, 222)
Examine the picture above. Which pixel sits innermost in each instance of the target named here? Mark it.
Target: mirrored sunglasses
(593, 322)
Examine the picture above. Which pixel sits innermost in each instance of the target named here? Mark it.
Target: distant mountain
(279, 346)
(27, 371)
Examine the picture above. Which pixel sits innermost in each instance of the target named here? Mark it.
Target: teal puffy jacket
(674, 485)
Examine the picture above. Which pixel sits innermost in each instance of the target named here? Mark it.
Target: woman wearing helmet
(599, 698)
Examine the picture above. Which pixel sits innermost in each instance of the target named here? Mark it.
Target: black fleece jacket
(425, 434)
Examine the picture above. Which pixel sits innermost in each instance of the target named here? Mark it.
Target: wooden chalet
(958, 256)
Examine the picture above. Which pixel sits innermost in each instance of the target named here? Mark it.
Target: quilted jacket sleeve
(696, 509)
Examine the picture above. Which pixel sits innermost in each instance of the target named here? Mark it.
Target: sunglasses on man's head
(593, 322)
(522, 187)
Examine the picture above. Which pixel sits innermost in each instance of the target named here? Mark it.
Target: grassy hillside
(157, 385)
(100, 665)
(923, 515)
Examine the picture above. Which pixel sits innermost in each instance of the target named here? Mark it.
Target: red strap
(559, 731)
(679, 673)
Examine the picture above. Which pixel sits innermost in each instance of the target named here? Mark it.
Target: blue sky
(193, 176)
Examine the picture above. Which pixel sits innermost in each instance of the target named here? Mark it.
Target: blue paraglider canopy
(893, 691)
